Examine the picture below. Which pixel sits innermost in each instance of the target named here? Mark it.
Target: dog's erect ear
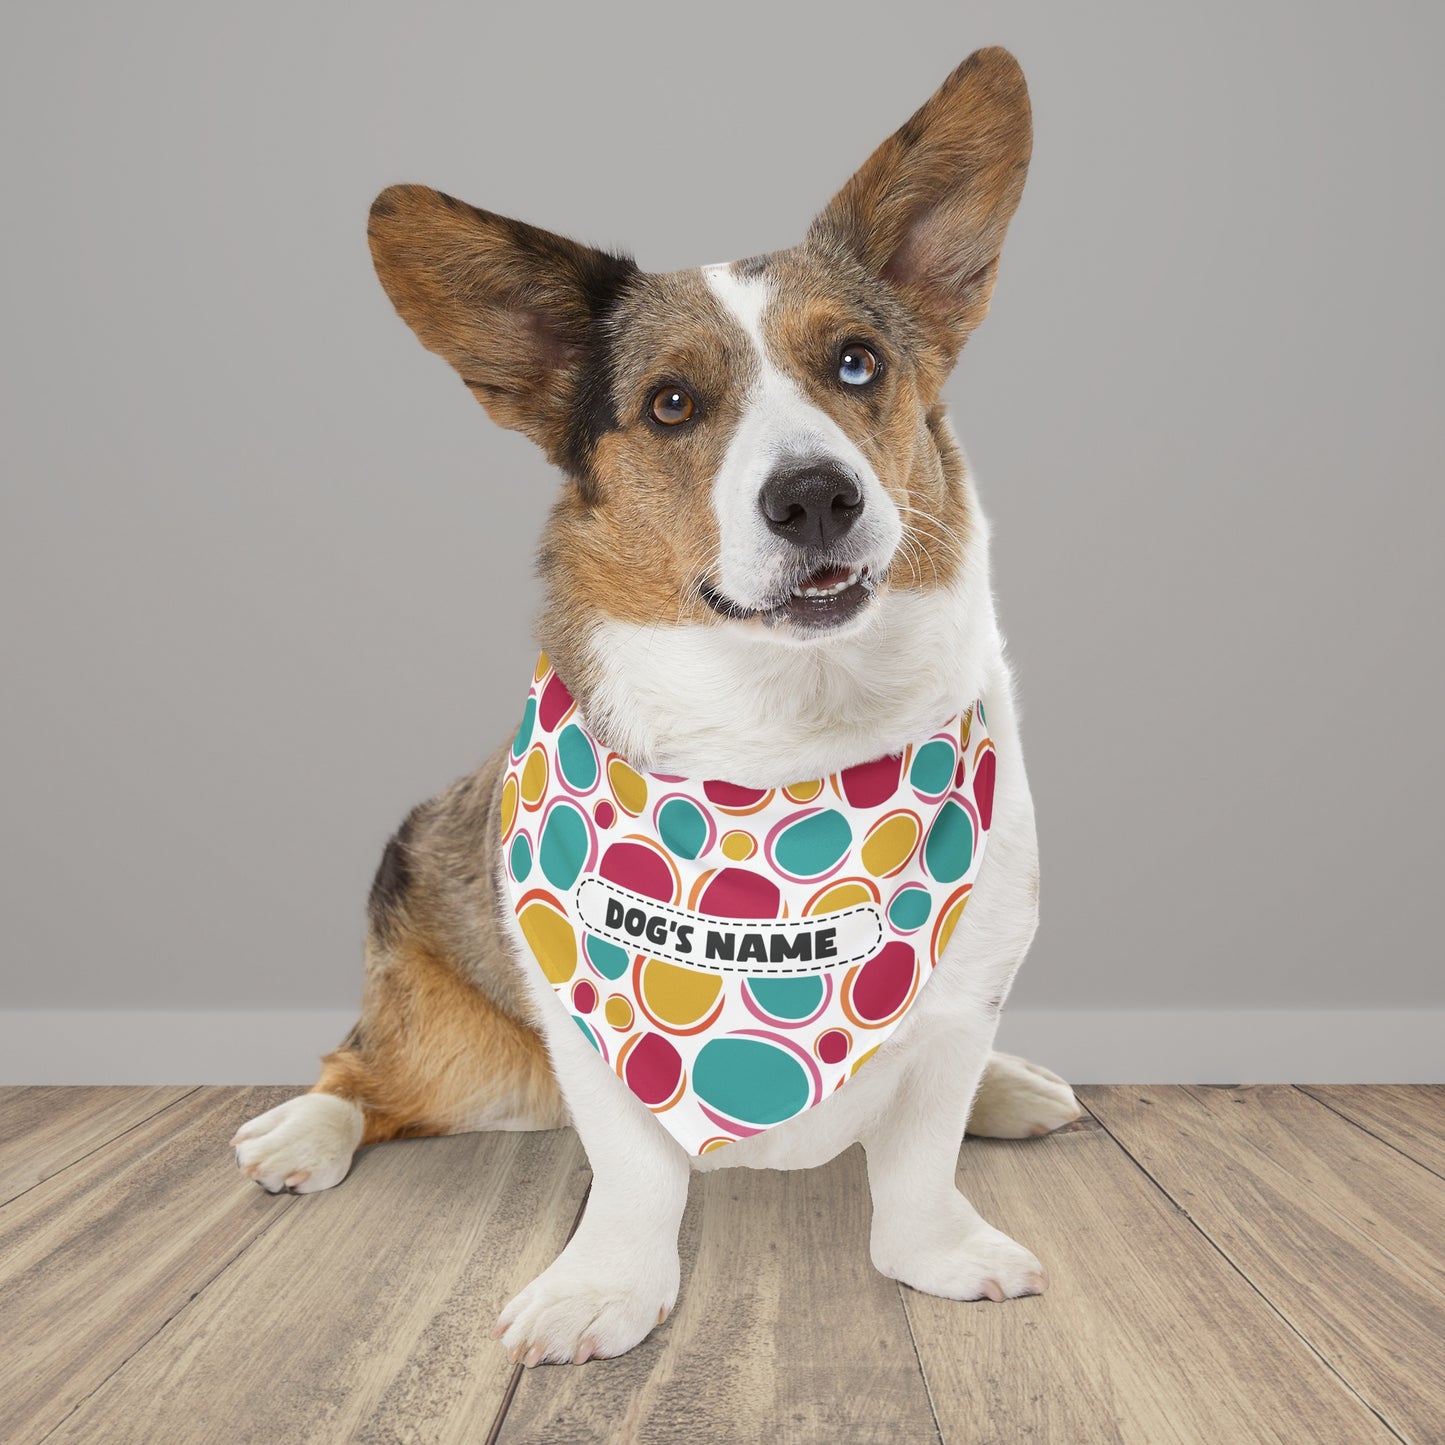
(928, 210)
(514, 308)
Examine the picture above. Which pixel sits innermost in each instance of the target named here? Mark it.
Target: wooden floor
(1227, 1265)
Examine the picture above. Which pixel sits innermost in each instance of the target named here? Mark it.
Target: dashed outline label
(857, 932)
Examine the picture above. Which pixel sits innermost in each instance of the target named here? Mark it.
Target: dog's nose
(811, 503)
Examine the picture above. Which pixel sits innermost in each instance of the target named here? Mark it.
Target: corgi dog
(766, 562)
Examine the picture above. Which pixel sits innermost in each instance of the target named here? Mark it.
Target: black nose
(811, 503)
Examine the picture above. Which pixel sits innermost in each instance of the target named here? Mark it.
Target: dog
(766, 562)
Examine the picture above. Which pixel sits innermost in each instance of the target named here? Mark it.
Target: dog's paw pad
(303, 1145)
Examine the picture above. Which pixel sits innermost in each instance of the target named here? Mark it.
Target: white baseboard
(1087, 1046)
(168, 1046)
(1232, 1046)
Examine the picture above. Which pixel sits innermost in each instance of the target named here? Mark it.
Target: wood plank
(1409, 1117)
(1339, 1231)
(1145, 1335)
(783, 1331)
(98, 1257)
(45, 1128)
(366, 1317)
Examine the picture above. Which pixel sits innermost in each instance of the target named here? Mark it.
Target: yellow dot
(714, 1144)
(890, 845)
(842, 895)
(804, 792)
(552, 940)
(863, 1059)
(534, 777)
(738, 846)
(628, 787)
(618, 1012)
(509, 803)
(949, 923)
(675, 996)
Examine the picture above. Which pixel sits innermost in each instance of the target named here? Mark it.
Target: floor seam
(282, 1213)
(918, 1357)
(1365, 1129)
(1371, 1241)
(1270, 1304)
(510, 1393)
(171, 1318)
(81, 1158)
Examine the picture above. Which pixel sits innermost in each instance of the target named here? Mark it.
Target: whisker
(945, 538)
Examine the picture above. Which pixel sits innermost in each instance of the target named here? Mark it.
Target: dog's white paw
(302, 1145)
(1017, 1099)
(984, 1263)
(582, 1308)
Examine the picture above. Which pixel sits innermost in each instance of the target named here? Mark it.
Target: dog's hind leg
(1017, 1099)
(431, 1055)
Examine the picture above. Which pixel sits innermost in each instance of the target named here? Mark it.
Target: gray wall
(265, 563)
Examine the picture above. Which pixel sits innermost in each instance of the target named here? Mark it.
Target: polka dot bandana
(736, 954)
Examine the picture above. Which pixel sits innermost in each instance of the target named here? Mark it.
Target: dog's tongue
(828, 577)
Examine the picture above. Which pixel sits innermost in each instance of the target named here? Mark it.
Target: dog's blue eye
(857, 366)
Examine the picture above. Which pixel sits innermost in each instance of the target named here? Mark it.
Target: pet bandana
(736, 954)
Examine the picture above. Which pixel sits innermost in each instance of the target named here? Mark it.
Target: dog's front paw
(302, 1145)
(1017, 1099)
(582, 1308)
(983, 1263)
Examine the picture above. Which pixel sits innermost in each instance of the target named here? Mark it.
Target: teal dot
(813, 845)
(932, 769)
(788, 998)
(682, 827)
(521, 857)
(524, 733)
(587, 1032)
(564, 845)
(948, 851)
(576, 759)
(750, 1080)
(910, 909)
(607, 958)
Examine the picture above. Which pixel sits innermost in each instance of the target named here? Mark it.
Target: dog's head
(749, 446)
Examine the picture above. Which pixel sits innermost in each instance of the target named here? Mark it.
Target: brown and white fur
(679, 614)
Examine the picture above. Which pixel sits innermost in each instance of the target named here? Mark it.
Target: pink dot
(653, 1069)
(604, 813)
(640, 868)
(730, 795)
(983, 780)
(737, 893)
(555, 704)
(584, 997)
(833, 1046)
(884, 982)
(870, 784)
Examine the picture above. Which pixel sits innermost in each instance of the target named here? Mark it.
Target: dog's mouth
(819, 601)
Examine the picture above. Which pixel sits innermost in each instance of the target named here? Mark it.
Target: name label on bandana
(737, 954)
(723, 945)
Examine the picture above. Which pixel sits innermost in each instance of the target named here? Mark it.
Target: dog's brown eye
(857, 366)
(671, 405)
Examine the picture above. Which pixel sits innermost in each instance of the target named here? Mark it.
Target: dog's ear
(512, 307)
(928, 210)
